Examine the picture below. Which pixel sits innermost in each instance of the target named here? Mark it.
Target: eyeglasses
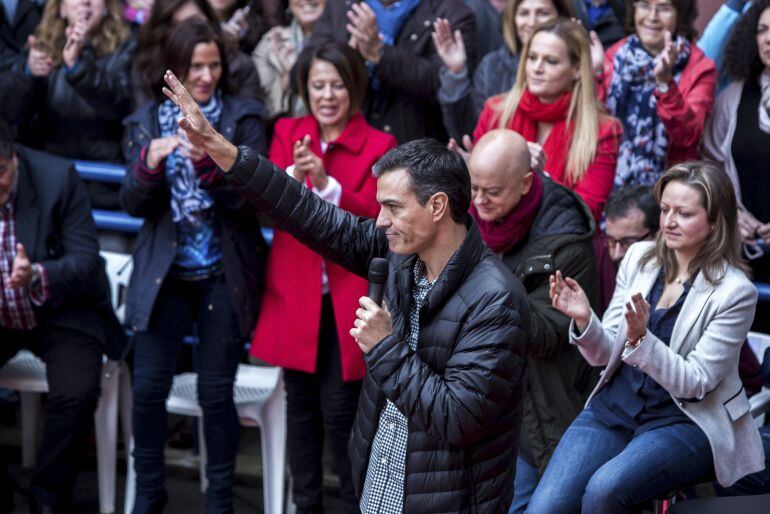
(665, 11)
(624, 242)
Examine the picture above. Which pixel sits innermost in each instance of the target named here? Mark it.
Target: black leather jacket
(461, 389)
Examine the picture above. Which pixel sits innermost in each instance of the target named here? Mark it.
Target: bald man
(537, 227)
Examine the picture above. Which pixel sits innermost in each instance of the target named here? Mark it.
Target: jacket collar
(26, 212)
(457, 269)
(353, 136)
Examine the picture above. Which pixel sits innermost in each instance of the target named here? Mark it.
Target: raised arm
(328, 230)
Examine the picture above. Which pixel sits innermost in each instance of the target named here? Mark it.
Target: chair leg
(273, 438)
(202, 454)
(106, 419)
(31, 411)
(128, 504)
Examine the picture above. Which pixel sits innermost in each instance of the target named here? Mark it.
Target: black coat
(54, 223)
(405, 102)
(559, 380)
(13, 35)
(461, 389)
(243, 248)
(77, 112)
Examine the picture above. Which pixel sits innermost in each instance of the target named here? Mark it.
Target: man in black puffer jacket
(453, 366)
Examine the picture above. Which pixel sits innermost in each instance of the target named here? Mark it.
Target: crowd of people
(554, 184)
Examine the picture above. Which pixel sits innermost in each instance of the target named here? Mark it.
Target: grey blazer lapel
(699, 294)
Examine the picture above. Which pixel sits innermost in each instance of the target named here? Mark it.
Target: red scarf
(503, 234)
(532, 111)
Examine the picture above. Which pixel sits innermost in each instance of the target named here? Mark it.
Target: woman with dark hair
(148, 71)
(660, 85)
(197, 262)
(73, 89)
(309, 303)
(738, 134)
(462, 100)
(670, 409)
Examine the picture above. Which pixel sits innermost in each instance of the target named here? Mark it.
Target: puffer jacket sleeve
(485, 371)
(332, 232)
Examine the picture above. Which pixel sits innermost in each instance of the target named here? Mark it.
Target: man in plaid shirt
(54, 300)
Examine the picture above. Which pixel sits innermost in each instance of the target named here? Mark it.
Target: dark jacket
(462, 101)
(243, 249)
(54, 223)
(77, 112)
(559, 379)
(13, 35)
(611, 27)
(404, 102)
(461, 389)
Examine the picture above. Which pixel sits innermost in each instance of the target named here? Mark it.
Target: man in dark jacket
(440, 408)
(54, 300)
(403, 65)
(537, 227)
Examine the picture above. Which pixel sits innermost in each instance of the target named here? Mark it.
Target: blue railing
(122, 222)
(119, 221)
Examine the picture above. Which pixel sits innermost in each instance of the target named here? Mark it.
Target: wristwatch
(662, 87)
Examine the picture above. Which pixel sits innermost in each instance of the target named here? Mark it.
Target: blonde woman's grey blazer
(700, 367)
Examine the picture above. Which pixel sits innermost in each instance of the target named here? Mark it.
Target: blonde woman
(75, 83)
(670, 409)
(553, 106)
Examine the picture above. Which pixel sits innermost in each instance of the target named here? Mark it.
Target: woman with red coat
(309, 304)
(553, 106)
(660, 85)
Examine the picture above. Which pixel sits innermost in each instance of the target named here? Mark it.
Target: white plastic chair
(261, 402)
(25, 373)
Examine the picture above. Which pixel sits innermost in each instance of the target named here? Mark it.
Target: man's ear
(439, 206)
(526, 182)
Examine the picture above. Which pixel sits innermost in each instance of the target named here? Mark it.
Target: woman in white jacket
(670, 409)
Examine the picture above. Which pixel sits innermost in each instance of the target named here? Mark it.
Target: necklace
(680, 281)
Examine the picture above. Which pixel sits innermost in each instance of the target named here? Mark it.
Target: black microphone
(378, 275)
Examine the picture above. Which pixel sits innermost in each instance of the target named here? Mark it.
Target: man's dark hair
(641, 197)
(432, 169)
(6, 140)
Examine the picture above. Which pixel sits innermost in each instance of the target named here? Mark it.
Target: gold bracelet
(635, 344)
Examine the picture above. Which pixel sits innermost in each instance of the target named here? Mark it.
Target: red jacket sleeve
(487, 119)
(685, 107)
(596, 185)
(364, 201)
(281, 152)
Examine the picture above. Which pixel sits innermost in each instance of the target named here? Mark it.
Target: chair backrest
(759, 342)
(118, 267)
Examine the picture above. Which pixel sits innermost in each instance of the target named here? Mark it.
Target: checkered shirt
(384, 486)
(16, 304)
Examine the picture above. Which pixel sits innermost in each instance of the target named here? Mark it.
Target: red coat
(290, 317)
(686, 106)
(596, 185)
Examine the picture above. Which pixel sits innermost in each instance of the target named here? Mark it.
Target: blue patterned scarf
(390, 19)
(188, 199)
(642, 153)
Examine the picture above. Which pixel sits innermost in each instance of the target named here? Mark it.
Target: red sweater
(686, 106)
(290, 316)
(596, 185)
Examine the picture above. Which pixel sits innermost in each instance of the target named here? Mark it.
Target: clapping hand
(664, 62)
(569, 298)
(597, 53)
(449, 47)
(536, 156)
(637, 315)
(373, 324)
(364, 32)
(306, 163)
(464, 150)
(39, 63)
(236, 25)
(159, 149)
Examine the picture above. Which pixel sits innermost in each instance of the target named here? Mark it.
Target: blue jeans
(606, 470)
(207, 304)
(524, 485)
